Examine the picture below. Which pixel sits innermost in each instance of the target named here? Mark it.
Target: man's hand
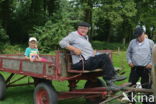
(131, 65)
(95, 52)
(75, 50)
(149, 66)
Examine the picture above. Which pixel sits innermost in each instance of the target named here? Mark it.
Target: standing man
(139, 56)
(78, 44)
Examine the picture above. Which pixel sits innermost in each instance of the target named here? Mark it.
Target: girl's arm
(26, 53)
(26, 57)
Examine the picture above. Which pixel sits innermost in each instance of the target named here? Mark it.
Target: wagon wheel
(91, 84)
(2, 87)
(45, 94)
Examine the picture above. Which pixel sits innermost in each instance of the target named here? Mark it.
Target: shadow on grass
(24, 95)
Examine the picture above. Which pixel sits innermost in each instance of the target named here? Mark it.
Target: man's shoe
(118, 78)
(112, 86)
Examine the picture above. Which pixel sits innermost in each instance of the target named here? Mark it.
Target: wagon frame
(58, 67)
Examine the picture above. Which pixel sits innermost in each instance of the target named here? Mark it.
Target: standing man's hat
(138, 31)
(85, 24)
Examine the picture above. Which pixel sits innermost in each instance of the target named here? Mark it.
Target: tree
(60, 24)
(146, 13)
(52, 6)
(113, 12)
(5, 13)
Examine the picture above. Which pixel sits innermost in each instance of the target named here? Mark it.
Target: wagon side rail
(14, 64)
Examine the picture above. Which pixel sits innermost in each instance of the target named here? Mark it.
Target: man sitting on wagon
(78, 44)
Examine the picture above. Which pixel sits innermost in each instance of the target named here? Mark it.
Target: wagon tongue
(126, 89)
(114, 89)
(113, 96)
(118, 88)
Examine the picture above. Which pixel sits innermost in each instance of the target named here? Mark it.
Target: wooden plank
(11, 64)
(36, 68)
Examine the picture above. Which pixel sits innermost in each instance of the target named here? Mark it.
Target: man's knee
(103, 55)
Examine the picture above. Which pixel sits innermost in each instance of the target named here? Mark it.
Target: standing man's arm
(149, 66)
(66, 43)
(151, 48)
(129, 55)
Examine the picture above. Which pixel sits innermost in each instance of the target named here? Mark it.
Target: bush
(58, 26)
(50, 34)
(3, 36)
(12, 49)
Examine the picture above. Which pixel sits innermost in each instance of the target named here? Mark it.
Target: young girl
(32, 52)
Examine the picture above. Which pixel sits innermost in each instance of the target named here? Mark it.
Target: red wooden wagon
(56, 68)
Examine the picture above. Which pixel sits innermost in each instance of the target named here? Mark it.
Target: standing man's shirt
(30, 51)
(140, 54)
(81, 42)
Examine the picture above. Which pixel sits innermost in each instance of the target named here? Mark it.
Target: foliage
(50, 34)
(146, 15)
(111, 20)
(12, 49)
(110, 17)
(3, 35)
(115, 11)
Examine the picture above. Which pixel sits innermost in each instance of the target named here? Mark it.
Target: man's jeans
(101, 61)
(138, 72)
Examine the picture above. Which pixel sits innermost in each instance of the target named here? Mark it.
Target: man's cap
(32, 39)
(138, 31)
(85, 24)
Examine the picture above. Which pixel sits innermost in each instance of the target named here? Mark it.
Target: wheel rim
(42, 97)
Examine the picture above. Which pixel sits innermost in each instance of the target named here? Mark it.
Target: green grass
(100, 45)
(24, 95)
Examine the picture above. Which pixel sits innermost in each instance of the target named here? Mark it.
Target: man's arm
(151, 43)
(129, 54)
(151, 47)
(66, 43)
(73, 49)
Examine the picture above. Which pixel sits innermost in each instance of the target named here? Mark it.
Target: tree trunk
(52, 6)
(5, 13)
(37, 7)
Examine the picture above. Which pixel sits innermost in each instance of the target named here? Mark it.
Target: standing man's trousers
(138, 72)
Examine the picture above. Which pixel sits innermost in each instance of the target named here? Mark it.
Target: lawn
(24, 95)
